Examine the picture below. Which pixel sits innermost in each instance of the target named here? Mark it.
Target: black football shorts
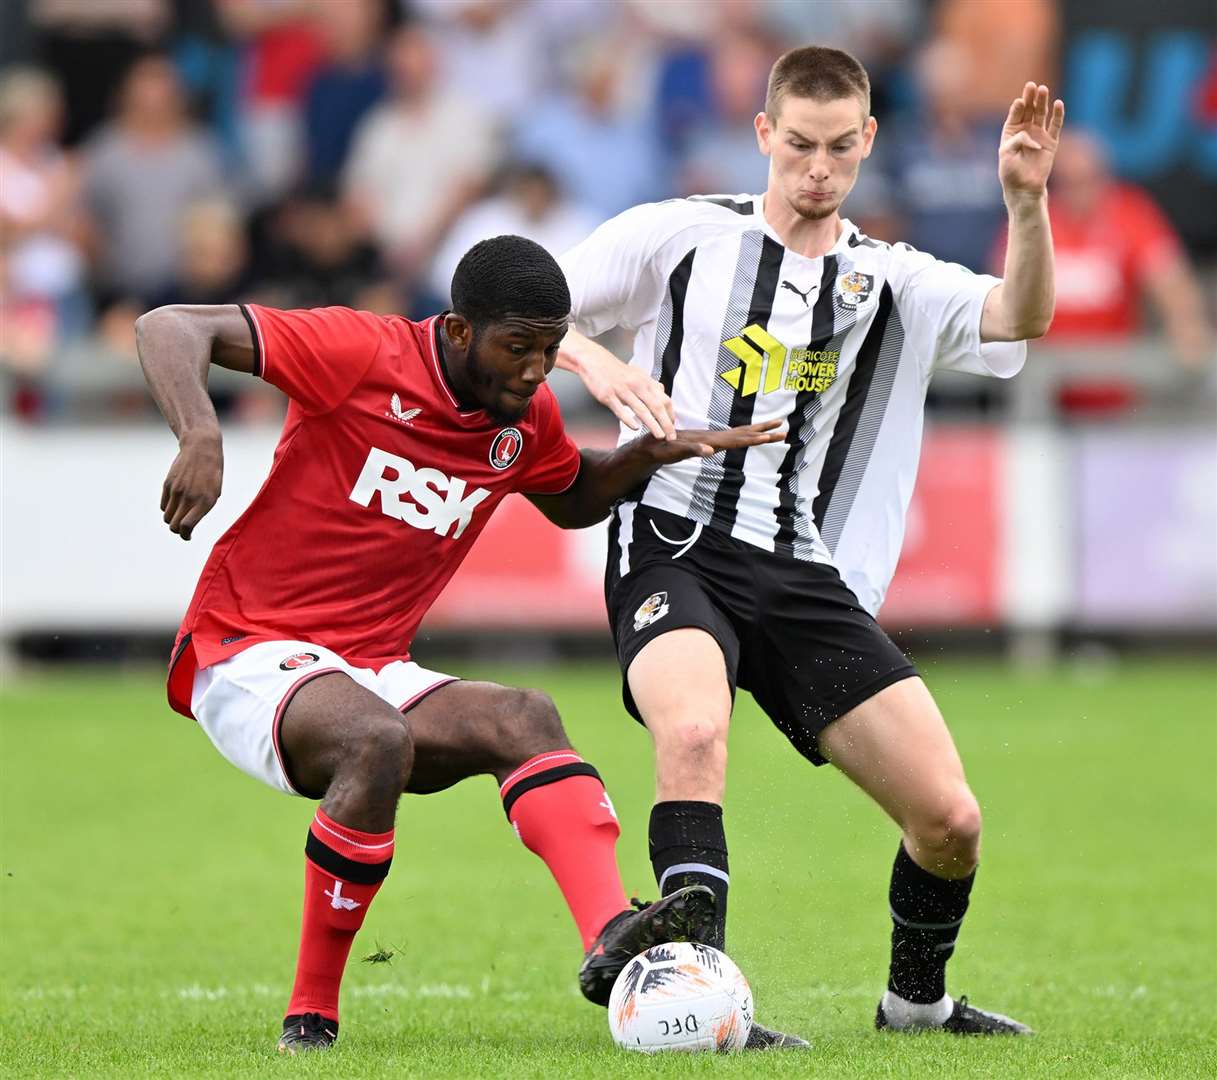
(792, 633)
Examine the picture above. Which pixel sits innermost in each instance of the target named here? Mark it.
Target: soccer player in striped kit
(763, 567)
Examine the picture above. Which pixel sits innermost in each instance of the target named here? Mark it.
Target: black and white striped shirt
(739, 329)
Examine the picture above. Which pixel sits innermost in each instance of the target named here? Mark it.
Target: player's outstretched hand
(1029, 141)
(689, 444)
(631, 395)
(192, 485)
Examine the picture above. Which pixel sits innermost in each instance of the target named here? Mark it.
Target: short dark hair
(509, 275)
(818, 73)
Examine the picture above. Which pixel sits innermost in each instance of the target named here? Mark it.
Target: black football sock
(689, 847)
(926, 914)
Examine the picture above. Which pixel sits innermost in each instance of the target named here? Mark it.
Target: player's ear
(868, 135)
(459, 330)
(763, 131)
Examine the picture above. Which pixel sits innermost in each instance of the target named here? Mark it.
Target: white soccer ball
(680, 996)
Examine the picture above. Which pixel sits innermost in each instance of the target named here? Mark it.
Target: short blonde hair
(819, 73)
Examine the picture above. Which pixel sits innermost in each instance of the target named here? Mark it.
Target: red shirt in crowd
(1102, 260)
(380, 484)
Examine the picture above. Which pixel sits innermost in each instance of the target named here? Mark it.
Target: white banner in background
(84, 546)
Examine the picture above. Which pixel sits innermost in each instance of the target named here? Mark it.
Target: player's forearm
(605, 477)
(175, 353)
(1028, 294)
(576, 351)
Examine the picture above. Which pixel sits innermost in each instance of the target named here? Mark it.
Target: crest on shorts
(299, 660)
(506, 448)
(855, 288)
(652, 609)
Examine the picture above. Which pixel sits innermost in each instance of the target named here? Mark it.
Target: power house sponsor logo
(506, 448)
(423, 498)
(299, 660)
(768, 366)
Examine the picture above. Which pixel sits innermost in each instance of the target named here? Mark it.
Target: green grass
(150, 895)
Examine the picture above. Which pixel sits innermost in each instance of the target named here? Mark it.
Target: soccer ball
(680, 996)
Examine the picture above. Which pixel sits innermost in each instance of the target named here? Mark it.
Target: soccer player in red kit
(401, 438)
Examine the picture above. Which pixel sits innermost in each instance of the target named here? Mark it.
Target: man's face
(814, 150)
(507, 361)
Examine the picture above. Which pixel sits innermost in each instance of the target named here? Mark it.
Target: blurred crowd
(311, 152)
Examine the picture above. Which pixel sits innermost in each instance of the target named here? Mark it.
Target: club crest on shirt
(506, 448)
(854, 288)
(299, 660)
(652, 609)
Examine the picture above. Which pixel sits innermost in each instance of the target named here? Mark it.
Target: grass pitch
(149, 895)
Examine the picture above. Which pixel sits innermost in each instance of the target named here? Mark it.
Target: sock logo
(607, 803)
(340, 902)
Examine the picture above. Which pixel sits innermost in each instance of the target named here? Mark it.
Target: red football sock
(343, 869)
(561, 811)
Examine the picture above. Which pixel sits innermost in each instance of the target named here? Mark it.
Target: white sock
(912, 1014)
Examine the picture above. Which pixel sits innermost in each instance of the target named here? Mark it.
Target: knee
(526, 724)
(950, 835)
(384, 754)
(693, 740)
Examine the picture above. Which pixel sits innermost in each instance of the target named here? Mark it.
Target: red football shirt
(379, 487)
(1102, 261)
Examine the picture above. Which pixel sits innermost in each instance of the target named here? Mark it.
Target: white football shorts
(240, 702)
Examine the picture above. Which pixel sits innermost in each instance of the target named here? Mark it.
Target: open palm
(1029, 141)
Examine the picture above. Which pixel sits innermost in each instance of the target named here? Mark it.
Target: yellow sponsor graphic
(766, 360)
(758, 349)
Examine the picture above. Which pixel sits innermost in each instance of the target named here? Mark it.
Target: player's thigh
(679, 678)
(241, 704)
(677, 649)
(334, 725)
(466, 729)
(817, 654)
(896, 747)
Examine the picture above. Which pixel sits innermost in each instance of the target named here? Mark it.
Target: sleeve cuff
(255, 331)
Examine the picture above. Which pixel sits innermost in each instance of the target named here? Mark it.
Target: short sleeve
(948, 300)
(611, 277)
(554, 462)
(315, 356)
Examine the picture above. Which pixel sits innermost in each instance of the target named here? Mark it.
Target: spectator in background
(316, 257)
(604, 155)
(283, 49)
(41, 217)
(345, 87)
(141, 172)
(530, 204)
(418, 158)
(1115, 248)
(89, 45)
(940, 169)
(213, 257)
(492, 50)
(1006, 43)
(720, 152)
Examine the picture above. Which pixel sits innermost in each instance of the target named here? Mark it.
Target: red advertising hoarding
(950, 567)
